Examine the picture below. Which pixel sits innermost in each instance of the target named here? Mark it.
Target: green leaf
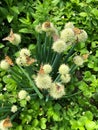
(19, 127)
(35, 122)
(23, 103)
(10, 18)
(15, 9)
(83, 14)
(95, 12)
(57, 106)
(43, 123)
(89, 115)
(56, 117)
(90, 125)
(1, 45)
(32, 47)
(25, 30)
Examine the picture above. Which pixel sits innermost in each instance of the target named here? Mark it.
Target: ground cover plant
(75, 105)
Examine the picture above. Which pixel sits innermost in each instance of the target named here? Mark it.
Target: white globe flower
(22, 94)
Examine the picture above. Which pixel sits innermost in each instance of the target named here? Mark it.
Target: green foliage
(78, 109)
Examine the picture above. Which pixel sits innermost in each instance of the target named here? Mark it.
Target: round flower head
(14, 38)
(47, 68)
(18, 61)
(64, 69)
(43, 81)
(28, 98)
(17, 39)
(57, 90)
(22, 61)
(82, 36)
(78, 60)
(22, 94)
(4, 65)
(5, 124)
(14, 108)
(24, 52)
(68, 35)
(59, 46)
(65, 78)
(48, 27)
(69, 25)
(38, 28)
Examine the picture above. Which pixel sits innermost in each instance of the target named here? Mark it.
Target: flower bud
(57, 90)
(14, 108)
(64, 69)
(4, 65)
(78, 60)
(47, 68)
(22, 94)
(59, 46)
(43, 81)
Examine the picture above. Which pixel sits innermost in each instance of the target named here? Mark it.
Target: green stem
(38, 49)
(57, 78)
(73, 68)
(53, 57)
(14, 115)
(49, 51)
(74, 94)
(69, 53)
(56, 60)
(31, 83)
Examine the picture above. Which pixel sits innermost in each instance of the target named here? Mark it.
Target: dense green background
(75, 112)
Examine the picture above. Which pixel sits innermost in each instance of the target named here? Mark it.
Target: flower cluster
(44, 81)
(71, 34)
(47, 58)
(65, 75)
(24, 58)
(23, 95)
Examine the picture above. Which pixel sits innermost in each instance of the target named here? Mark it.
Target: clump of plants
(46, 72)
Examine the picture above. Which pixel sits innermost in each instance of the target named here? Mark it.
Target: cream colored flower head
(5, 124)
(65, 78)
(78, 60)
(4, 65)
(14, 38)
(24, 52)
(69, 25)
(82, 37)
(22, 94)
(18, 61)
(22, 61)
(14, 108)
(68, 35)
(48, 27)
(38, 28)
(28, 98)
(47, 68)
(59, 46)
(64, 69)
(57, 90)
(43, 81)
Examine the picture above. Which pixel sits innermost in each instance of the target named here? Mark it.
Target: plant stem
(57, 78)
(45, 49)
(14, 115)
(38, 49)
(73, 67)
(74, 94)
(69, 53)
(31, 83)
(56, 60)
